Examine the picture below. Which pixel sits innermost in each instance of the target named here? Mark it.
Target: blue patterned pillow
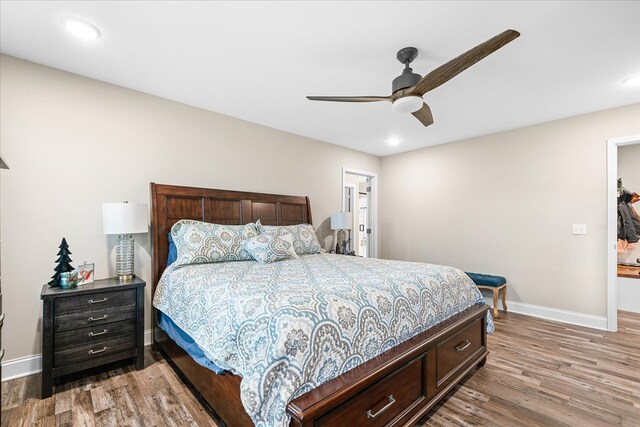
(201, 242)
(305, 240)
(268, 247)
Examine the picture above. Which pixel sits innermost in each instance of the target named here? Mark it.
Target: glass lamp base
(341, 239)
(125, 257)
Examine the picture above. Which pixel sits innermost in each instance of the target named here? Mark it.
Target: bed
(395, 387)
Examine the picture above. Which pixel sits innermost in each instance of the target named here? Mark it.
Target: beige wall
(504, 204)
(73, 143)
(629, 167)
(629, 171)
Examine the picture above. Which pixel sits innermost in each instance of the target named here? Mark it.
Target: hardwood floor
(539, 373)
(122, 396)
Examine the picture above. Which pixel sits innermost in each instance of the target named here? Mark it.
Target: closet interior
(628, 233)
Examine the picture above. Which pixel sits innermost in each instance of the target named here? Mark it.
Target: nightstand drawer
(90, 351)
(93, 318)
(93, 334)
(95, 302)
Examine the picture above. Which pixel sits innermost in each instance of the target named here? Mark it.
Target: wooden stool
(495, 284)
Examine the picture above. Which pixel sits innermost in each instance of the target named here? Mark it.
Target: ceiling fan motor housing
(408, 78)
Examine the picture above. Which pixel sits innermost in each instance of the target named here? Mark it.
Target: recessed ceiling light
(81, 29)
(393, 141)
(632, 80)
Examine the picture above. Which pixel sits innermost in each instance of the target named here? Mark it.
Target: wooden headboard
(171, 203)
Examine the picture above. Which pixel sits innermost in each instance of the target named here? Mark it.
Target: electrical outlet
(579, 229)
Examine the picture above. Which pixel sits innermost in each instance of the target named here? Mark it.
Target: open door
(359, 200)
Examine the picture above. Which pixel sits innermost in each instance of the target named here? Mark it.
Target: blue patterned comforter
(290, 326)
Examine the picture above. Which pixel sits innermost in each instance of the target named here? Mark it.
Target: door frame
(612, 219)
(373, 244)
(353, 219)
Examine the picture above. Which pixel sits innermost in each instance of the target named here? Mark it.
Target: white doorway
(359, 197)
(612, 227)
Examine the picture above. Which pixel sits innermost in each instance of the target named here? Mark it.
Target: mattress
(289, 326)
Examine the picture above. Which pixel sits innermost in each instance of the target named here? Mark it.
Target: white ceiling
(258, 60)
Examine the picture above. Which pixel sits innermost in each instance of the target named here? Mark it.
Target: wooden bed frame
(396, 388)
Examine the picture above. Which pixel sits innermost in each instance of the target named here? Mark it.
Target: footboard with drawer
(399, 387)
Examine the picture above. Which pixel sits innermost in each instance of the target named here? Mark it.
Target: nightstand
(90, 326)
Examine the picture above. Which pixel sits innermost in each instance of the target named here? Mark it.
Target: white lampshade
(125, 218)
(341, 221)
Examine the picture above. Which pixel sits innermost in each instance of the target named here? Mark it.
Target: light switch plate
(579, 229)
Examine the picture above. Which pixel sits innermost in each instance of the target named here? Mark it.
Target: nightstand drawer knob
(96, 301)
(95, 334)
(93, 319)
(98, 351)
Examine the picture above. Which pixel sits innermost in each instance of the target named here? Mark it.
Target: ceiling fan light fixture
(407, 104)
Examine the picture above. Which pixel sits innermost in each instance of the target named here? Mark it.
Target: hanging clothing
(628, 223)
(623, 246)
(634, 212)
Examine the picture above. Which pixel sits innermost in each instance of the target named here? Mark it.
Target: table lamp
(341, 221)
(125, 219)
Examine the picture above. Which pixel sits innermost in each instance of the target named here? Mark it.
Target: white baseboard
(21, 367)
(555, 314)
(29, 365)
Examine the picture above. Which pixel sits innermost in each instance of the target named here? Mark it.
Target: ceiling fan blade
(446, 72)
(350, 98)
(424, 115)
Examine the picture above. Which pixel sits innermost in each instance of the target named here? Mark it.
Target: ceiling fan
(409, 87)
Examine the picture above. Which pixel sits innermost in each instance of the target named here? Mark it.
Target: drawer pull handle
(384, 408)
(1, 354)
(98, 351)
(95, 334)
(96, 301)
(1, 319)
(93, 319)
(463, 345)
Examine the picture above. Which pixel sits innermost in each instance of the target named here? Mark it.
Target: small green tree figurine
(64, 263)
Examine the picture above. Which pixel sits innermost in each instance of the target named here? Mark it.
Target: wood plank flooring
(539, 373)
